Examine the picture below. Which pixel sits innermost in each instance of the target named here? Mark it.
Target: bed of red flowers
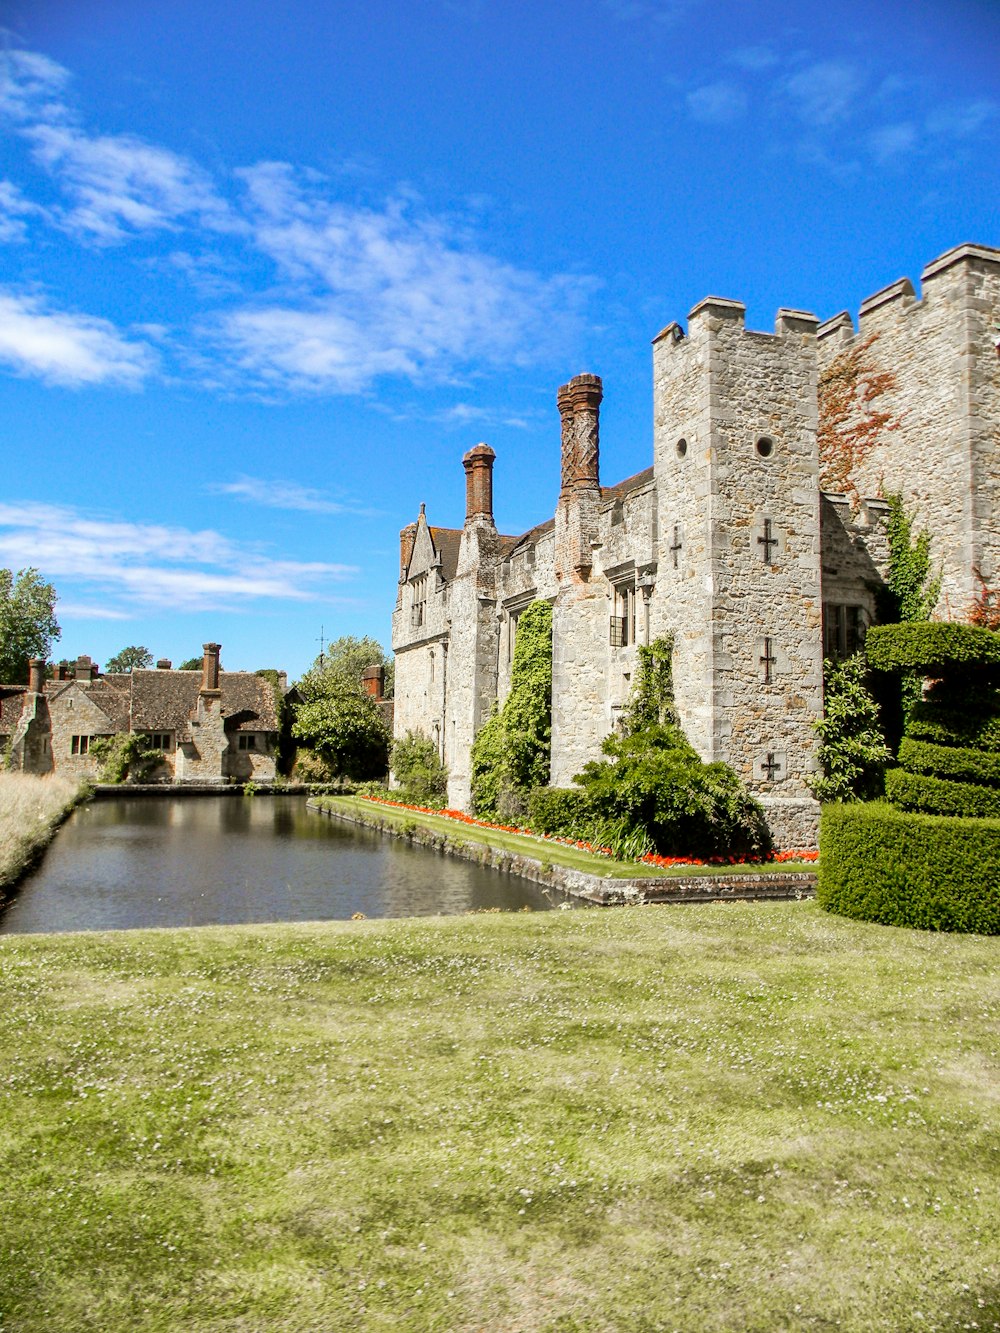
(651, 858)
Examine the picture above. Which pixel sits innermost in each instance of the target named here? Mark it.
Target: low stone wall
(754, 885)
(105, 790)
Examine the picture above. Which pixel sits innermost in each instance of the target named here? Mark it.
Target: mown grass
(729, 1117)
(31, 809)
(541, 849)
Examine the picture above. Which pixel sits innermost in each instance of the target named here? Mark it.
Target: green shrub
(417, 766)
(933, 648)
(510, 755)
(655, 781)
(941, 725)
(126, 756)
(900, 869)
(853, 752)
(960, 763)
(940, 796)
(562, 810)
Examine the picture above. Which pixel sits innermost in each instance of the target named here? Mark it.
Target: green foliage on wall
(417, 766)
(900, 869)
(853, 752)
(28, 625)
(347, 731)
(652, 701)
(911, 588)
(127, 756)
(511, 754)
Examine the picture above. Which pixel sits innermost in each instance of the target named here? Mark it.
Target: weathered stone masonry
(727, 541)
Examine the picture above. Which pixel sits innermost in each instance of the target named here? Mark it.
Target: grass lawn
(736, 1116)
(542, 849)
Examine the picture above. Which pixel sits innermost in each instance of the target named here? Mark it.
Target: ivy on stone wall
(652, 701)
(511, 754)
(853, 752)
(851, 420)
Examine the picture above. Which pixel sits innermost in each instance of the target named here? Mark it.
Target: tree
(342, 724)
(342, 665)
(191, 664)
(135, 658)
(853, 750)
(28, 625)
(418, 769)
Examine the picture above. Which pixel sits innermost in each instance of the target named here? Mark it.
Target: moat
(128, 863)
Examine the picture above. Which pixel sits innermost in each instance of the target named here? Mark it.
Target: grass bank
(31, 809)
(734, 1118)
(543, 849)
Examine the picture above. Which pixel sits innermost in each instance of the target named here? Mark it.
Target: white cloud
(31, 86)
(120, 184)
(153, 565)
(14, 209)
(891, 141)
(825, 93)
(753, 58)
(85, 611)
(68, 349)
(285, 495)
(372, 292)
(962, 120)
(717, 103)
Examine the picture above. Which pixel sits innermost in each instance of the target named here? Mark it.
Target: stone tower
(737, 471)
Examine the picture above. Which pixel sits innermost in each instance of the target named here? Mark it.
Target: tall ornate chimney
(478, 464)
(579, 404)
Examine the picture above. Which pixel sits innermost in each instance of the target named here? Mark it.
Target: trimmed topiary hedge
(959, 763)
(952, 726)
(901, 869)
(940, 796)
(933, 648)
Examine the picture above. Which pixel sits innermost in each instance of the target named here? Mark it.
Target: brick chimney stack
(478, 464)
(373, 680)
(36, 675)
(164, 664)
(579, 404)
(83, 670)
(210, 668)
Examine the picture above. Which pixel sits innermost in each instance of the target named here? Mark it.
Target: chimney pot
(478, 464)
(36, 675)
(373, 680)
(210, 668)
(164, 664)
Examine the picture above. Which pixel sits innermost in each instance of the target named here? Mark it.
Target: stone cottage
(756, 538)
(208, 725)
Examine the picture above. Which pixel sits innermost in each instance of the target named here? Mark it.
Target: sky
(267, 271)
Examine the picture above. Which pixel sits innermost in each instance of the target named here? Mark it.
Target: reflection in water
(200, 861)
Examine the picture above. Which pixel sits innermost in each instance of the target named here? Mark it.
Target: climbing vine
(853, 752)
(511, 753)
(652, 701)
(851, 419)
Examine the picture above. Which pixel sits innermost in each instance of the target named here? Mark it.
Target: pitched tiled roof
(619, 491)
(446, 543)
(510, 544)
(11, 703)
(167, 700)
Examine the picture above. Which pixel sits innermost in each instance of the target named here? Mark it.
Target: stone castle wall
(941, 445)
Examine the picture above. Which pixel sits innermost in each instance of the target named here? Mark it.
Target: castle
(756, 538)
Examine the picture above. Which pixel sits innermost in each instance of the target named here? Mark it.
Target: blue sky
(267, 271)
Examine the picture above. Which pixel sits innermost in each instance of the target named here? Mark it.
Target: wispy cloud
(149, 565)
(717, 103)
(825, 92)
(890, 141)
(31, 86)
(119, 184)
(372, 292)
(69, 349)
(90, 611)
(285, 495)
(15, 210)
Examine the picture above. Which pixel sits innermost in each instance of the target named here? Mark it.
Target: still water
(123, 863)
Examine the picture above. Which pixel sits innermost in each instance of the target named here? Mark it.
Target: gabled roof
(167, 700)
(446, 543)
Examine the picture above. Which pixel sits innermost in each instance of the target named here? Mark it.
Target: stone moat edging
(771, 885)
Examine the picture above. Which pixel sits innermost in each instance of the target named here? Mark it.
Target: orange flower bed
(651, 858)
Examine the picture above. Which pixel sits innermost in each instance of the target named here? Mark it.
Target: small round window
(682, 448)
(765, 446)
